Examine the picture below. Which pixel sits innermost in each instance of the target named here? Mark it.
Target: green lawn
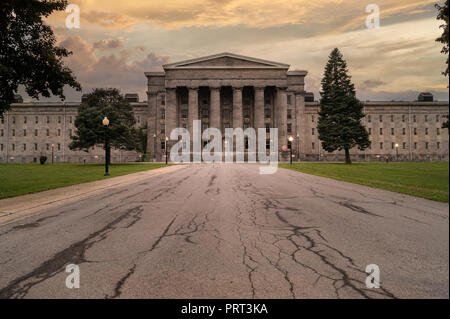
(427, 180)
(20, 179)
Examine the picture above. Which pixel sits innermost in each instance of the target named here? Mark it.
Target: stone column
(193, 108)
(151, 124)
(238, 115)
(171, 114)
(281, 118)
(259, 109)
(214, 116)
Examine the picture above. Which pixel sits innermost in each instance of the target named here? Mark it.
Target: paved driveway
(225, 231)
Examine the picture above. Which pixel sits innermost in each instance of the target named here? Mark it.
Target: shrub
(43, 159)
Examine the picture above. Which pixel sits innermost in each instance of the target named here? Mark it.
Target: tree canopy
(90, 131)
(28, 52)
(340, 114)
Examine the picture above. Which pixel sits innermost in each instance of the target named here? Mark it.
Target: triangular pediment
(224, 61)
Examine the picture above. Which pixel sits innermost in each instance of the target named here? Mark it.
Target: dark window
(267, 128)
(313, 131)
(403, 118)
(24, 147)
(438, 131)
(48, 132)
(426, 131)
(414, 118)
(415, 131)
(438, 145)
(404, 145)
(35, 132)
(289, 100)
(369, 119)
(24, 132)
(267, 114)
(267, 144)
(404, 131)
(381, 118)
(289, 128)
(392, 131)
(184, 114)
(289, 114)
(370, 131)
(289, 145)
(392, 118)
(437, 118)
(25, 119)
(415, 145)
(14, 121)
(163, 114)
(35, 146)
(426, 145)
(246, 113)
(59, 147)
(313, 145)
(426, 118)
(163, 145)
(381, 131)
(381, 145)
(36, 120)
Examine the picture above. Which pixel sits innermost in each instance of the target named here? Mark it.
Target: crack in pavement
(74, 254)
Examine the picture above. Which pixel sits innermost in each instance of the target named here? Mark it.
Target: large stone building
(228, 90)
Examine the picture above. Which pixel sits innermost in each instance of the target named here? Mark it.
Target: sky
(120, 40)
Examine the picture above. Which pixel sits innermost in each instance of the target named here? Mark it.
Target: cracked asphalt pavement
(225, 231)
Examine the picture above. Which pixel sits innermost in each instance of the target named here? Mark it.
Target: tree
(90, 131)
(28, 55)
(340, 114)
(443, 15)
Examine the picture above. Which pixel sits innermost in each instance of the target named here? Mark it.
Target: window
(70, 132)
(70, 119)
(426, 131)
(370, 131)
(381, 118)
(415, 131)
(184, 99)
(414, 118)
(392, 131)
(35, 146)
(415, 145)
(381, 131)
(1, 147)
(267, 144)
(59, 119)
(437, 118)
(163, 145)
(426, 145)
(267, 128)
(13, 132)
(313, 131)
(35, 132)
(184, 125)
(139, 119)
(205, 113)
(25, 120)
(163, 100)
(24, 132)
(426, 118)
(13, 146)
(267, 114)
(246, 143)
(289, 98)
(47, 146)
(392, 118)
(403, 118)
(438, 131)
(48, 119)
(246, 113)
(392, 145)
(14, 120)
(2, 132)
(3, 120)
(312, 118)
(289, 114)
(404, 131)
(289, 128)
(404, 145)
(438, 145)
(369, 119)
(184, 114)
(24, 147)
(163, 114)
(47, 132)
(59, 132)
(36, 120)
(381, 145)
(313, 145)
(59, 147)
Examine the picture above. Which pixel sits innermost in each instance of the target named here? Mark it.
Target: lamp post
(396, 152)
(105, 123)
(154, 147)
(291, 139)
(167, 140)
(53, 146)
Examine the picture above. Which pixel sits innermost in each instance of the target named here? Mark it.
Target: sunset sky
(119, 40)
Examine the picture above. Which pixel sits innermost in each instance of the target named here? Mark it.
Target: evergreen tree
(340, 114)
(443, 15)
(90, 131)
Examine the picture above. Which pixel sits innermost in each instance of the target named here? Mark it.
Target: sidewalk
(15, 208)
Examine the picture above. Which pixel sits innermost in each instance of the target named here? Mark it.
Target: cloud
(372, 83)
(175, 14)
(113, 70)
(108, 44)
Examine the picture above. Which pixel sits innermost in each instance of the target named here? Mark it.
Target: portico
(225, 91)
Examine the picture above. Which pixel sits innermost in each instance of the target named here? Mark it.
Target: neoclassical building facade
(230, 91)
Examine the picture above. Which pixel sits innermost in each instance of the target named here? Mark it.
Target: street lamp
(154, 147)
(53, 146)
(167, 140)
(396, 152)
(291, 139)
(105, 123)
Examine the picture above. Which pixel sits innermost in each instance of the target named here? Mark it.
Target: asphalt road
(224, 231)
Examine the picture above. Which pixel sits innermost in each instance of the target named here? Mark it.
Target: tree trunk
(347, 156)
